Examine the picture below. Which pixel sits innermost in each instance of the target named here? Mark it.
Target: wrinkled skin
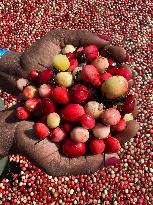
(18, 136)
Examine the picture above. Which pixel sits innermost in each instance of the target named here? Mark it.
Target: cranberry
(124, 72)
(79, 93)
(129, 104)
(48, 106)
(87, 121)
(111, 62)
(74, 149)
(70, 56)
(112, 70)
(45, 76)
(33, 75)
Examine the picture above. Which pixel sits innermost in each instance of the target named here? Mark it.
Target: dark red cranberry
(112, 70)
(48, 106)
(33, 75)
(45, 76)
(129, 104)
(70, 56)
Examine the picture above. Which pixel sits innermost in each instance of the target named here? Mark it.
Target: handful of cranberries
(81, 101)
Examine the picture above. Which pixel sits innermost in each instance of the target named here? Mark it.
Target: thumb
(130, 131)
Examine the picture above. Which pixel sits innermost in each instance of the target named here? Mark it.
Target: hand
(45, 154)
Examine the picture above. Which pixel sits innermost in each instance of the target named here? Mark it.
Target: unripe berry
(53, 120)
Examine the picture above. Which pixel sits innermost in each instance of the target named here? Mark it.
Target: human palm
(19, 137)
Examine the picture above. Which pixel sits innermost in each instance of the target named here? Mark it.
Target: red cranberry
(67, 127)
(22, 113)
(124, 72)
(79, 93)
(45, 76)
(111, 62)
(33, 75)
(73, 149)
(73, 65)
(48, 106)
(129, 104)
(112, 70)
(97, 146)
(87, 121)
(70, 56)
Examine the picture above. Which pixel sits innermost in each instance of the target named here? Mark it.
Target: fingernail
(111, 161)
(105, 37)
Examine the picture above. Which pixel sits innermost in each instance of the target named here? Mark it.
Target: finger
(8, 84)
(136, 110)
(43, 50)
(62, 165)
(118, 53)
(10, 71)
(46, 154)
(105, 37)
(7, 129)
(130, 131)
(76, 38)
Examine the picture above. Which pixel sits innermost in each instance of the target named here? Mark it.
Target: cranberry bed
(129, 24)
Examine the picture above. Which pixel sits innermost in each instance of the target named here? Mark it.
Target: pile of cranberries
(81, 101)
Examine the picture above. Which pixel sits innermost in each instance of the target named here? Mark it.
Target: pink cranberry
(105, 76)
(87, 121)
(57, 135)
(79, 93)
(45, 90)
(111, 116)
(91, 52)
(73, 149)
(32, 104)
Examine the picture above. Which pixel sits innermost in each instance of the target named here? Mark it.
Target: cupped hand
(19, 137)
